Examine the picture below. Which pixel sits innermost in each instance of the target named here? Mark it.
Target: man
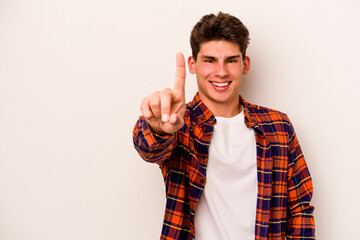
(232, 170)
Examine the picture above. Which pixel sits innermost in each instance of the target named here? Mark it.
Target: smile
(223, 84)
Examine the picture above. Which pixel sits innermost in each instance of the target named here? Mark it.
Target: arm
(152, 147)
(300, 219)
(163, 112)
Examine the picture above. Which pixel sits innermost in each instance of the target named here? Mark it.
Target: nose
(221, 70)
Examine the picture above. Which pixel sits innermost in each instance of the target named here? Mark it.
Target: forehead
(219, 49)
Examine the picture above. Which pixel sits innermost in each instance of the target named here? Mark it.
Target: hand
(164, 110)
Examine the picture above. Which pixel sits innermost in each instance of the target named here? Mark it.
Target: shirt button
(203, 157)
(202, 181)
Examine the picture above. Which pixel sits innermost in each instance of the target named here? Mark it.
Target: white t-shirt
(227, 207)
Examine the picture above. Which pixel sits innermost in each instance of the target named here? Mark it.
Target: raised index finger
(180, 72)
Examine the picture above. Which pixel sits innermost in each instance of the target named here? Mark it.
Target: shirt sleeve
(151, 146)
(300, 219)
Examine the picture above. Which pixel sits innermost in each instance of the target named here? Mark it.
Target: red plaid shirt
(284, 182)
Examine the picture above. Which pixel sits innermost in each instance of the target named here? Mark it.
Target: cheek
(204, 70)
(236, 72)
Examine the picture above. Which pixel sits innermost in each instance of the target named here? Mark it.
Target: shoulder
(265, 114)
(270, 120)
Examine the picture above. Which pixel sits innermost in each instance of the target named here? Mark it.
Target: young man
(232, 170)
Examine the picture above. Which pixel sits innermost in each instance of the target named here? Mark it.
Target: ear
(246, 65)
(191, 63)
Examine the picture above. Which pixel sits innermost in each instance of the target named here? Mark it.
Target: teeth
(220, 84)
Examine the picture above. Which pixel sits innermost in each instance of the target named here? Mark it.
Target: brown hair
(219, 27)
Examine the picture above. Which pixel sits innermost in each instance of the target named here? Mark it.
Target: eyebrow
(209, 57)
(235, 56)
(230, 57)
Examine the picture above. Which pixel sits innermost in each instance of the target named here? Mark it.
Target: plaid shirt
(284, 182)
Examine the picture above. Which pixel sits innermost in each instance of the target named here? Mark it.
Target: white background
(72, 76)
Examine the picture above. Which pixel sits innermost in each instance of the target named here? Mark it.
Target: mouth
(220, 84)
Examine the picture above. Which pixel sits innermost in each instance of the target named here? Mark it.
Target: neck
(223, 109)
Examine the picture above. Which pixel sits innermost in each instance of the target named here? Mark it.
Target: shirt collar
(250, 120)
(203, 114)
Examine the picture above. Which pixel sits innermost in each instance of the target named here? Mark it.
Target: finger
(180, 72)
(176, 119)
(145, 108)
(177, 114)
(155, 105)
(165, 104)
(173, 118)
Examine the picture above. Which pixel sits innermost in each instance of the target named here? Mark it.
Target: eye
(209, 60)
(232, 61)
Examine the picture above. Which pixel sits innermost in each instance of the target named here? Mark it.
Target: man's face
(219, 71)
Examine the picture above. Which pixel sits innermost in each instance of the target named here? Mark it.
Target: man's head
(219, 27)
(219, 61)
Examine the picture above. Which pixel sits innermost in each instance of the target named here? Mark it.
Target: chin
(220, 99)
